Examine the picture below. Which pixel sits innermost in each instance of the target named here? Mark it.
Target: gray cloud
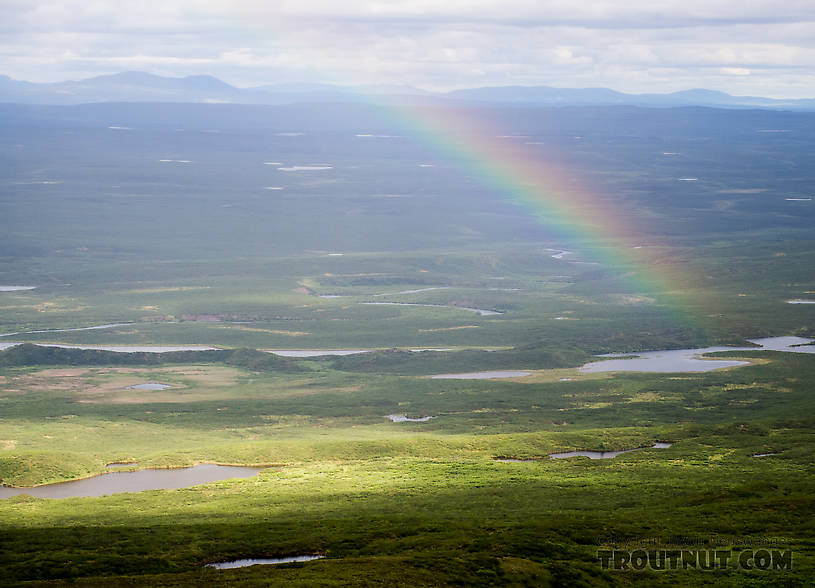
(749, 46)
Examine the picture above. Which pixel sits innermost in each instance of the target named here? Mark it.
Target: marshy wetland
(183, 317)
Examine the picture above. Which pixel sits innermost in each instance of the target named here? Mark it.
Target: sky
(743, 47)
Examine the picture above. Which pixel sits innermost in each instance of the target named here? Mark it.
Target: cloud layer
(744, 47)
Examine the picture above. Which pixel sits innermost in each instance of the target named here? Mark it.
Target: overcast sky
(753, 47)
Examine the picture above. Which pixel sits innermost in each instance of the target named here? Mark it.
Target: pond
(169, 348)
(420, 349)
(589, 454)
(117, 482)
(480, 311)
(560, 253)
(674, 360)
(605, 454)
(314, 352)
(324, 352)
(430, 289)
(688, 360)
(106, 326)
(790, 344)
(118, 348)
(243, 563)
(150, 386)
(400, 418)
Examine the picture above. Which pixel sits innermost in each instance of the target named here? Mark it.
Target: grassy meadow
(427, 498)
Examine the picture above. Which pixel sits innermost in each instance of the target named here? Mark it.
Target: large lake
(117, 482)
(688, 360)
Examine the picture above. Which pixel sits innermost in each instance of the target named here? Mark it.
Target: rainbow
(529, 178)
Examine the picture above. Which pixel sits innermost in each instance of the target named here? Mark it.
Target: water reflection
(242, 563)
(117, 482)
(688, 360)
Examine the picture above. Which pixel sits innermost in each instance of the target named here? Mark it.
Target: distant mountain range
(144, 87)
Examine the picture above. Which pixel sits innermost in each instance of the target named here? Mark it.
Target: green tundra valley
(402, 339)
